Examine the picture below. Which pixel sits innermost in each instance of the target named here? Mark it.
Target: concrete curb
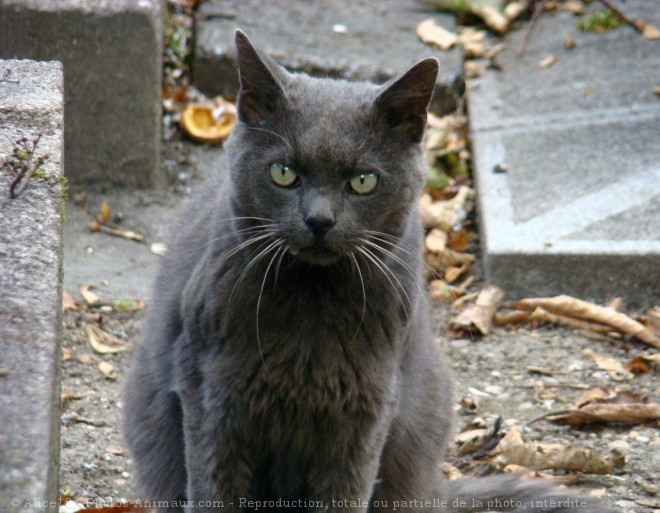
(111, 51)
(31, 104)
(577, 210)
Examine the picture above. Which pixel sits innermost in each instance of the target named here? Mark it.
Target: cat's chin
(316, 256)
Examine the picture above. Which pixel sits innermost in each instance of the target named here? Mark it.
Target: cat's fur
(300, 366)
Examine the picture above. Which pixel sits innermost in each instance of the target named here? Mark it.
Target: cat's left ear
(261, 82)
(404, 100)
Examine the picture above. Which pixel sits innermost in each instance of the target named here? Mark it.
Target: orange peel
(208, 123)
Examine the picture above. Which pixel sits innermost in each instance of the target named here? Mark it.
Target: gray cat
(287, 363)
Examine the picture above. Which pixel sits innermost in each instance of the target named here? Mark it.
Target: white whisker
(261, 291)
(364, 294)
(379, 264)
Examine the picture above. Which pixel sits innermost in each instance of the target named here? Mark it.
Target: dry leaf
(65, 398)
(108, 370)
(573, 6)
(572, 307)
(514, 9)
(450, 471)
(103, 342)
(452, 273)
(656, 89)
(68, 303)
(648, 31)
(566, 457)
(67, 354)
(446, 215)
(473, 42)
(542, 315)
(601, 405)
(89, 297)
(547, 61)
(599, 394)
(613, 367)
(104, 215)
(643, 363)
(511, 317)
(432, 33)
(545, 371)
(443, 292)
(435, 241)
(653, 318)
(115, 451)
(85, 358)
(470, 441)
(492, 17)
(525, 474)
(458, 241)
(439, 261)
(469, 405)
(593, 413)
(479, 316)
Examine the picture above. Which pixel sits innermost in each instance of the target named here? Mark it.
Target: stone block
(31, 105)
(367, 40)
(111, 51)
(577, 210)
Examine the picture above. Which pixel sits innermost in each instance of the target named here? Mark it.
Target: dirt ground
(492, 371)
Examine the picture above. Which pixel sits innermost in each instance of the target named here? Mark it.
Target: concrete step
(111, 53)
(31, 105)
(578, 209)
(368, 40)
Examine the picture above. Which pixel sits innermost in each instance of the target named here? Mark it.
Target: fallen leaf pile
(446, 205)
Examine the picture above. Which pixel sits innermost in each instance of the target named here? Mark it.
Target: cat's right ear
(261, 91)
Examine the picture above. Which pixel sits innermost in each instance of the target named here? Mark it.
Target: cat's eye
(282, 175)
(363, 183)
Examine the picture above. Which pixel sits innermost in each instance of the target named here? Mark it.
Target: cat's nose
(320, 222)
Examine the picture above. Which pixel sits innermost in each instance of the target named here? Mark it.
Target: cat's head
(331, 163)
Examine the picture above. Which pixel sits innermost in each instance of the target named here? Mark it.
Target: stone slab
(607, 74)
(577, 210)
(379, 41)
(111, 51)
(31, 103)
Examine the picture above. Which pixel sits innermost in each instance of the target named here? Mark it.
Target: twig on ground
(538, 9)
(639, 27)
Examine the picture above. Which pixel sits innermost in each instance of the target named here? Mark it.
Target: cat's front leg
(217, 472)
(217, 480)
(345, 480)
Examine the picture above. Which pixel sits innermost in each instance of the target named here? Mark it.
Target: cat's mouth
(315, 254)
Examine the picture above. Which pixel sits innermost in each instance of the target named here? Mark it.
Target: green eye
(282, 175)
(363, 183)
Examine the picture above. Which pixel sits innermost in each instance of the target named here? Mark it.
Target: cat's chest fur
(333, 360)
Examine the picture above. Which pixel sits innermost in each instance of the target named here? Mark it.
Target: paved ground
(577, 210)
